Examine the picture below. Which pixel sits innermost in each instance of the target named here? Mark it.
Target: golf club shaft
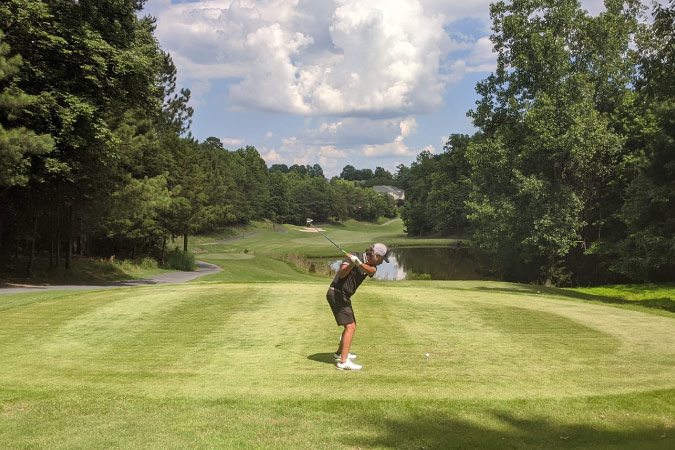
(329, 239)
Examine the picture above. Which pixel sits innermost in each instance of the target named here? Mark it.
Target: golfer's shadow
(322, 357)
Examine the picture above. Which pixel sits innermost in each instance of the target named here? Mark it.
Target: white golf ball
(427, 355)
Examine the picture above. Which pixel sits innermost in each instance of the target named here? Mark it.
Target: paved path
(203, 268)
(390, 221)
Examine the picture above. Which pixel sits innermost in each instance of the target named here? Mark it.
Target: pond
(442, 263)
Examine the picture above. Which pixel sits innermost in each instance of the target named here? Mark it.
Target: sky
(367, 83)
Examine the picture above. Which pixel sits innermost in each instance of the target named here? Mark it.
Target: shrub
(179, 260)
(418, 276)
(148, 263)
(306, 265)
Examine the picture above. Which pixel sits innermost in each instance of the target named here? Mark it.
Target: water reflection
(446, 263)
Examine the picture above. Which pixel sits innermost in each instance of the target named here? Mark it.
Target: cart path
(391, 221)
(203, 268)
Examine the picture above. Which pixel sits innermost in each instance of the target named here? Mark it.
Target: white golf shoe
(347, 365)
(339, 356)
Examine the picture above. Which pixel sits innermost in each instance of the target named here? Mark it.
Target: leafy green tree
(418, 179)
(450, 187)
(135, 211)
(437, 188)
(345, 197)
(299, 169)
(381, 177)
(17, 144)
(364, 174)
(646, 251)
(189, 211)
(217, 165)
(549, 143)
(310, 197)
(280, 198)
(85, 64)
(253, 181)
(315, 171)
(375, 205)
(382, 174)
(283, 168)
(348, 173)
(402, 177)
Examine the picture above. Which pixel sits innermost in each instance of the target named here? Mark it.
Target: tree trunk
(549, 271)
(161, 263)
(69, 250)
(58, 234)
(31, 255)
(185, 242)
(81, 238)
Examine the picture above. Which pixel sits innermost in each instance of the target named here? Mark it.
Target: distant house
(398, 194)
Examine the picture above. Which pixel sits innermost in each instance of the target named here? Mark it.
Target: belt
(334, 289)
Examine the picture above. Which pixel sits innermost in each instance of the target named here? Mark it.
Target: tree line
(571, 176)
(96, 157)
(569, 179)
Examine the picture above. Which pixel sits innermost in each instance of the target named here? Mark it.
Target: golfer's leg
(347, 336)
(339, 349)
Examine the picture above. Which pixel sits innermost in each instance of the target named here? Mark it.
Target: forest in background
(96, 154)
(570, 178)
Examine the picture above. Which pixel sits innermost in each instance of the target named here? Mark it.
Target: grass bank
(83, 271)
(660, 296)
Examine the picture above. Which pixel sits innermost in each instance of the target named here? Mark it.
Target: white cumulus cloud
(271, 157)
(358, 71)
(232, 143)
(408, 127)
(321, 57)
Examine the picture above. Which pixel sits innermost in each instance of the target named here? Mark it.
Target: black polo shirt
(353, 280)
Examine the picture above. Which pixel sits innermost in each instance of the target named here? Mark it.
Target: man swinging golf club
(354, 269)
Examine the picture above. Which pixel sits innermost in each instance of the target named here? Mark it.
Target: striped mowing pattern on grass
(218, 363)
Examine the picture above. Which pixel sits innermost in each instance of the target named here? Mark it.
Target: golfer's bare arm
(348, 266)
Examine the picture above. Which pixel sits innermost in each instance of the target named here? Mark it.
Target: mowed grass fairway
(220, 363)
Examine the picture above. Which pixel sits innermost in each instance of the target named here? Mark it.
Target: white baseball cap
(381, 249)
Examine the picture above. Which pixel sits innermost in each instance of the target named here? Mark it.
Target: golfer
(355, 268)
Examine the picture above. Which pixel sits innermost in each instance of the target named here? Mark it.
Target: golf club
(309, 222)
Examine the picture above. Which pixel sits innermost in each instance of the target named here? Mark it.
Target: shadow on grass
(322, 357)
(664, 303)
(430, 430)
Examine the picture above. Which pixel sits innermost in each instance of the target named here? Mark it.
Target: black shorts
(341, 307)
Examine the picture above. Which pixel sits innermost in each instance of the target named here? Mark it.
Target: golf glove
(355, 260)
